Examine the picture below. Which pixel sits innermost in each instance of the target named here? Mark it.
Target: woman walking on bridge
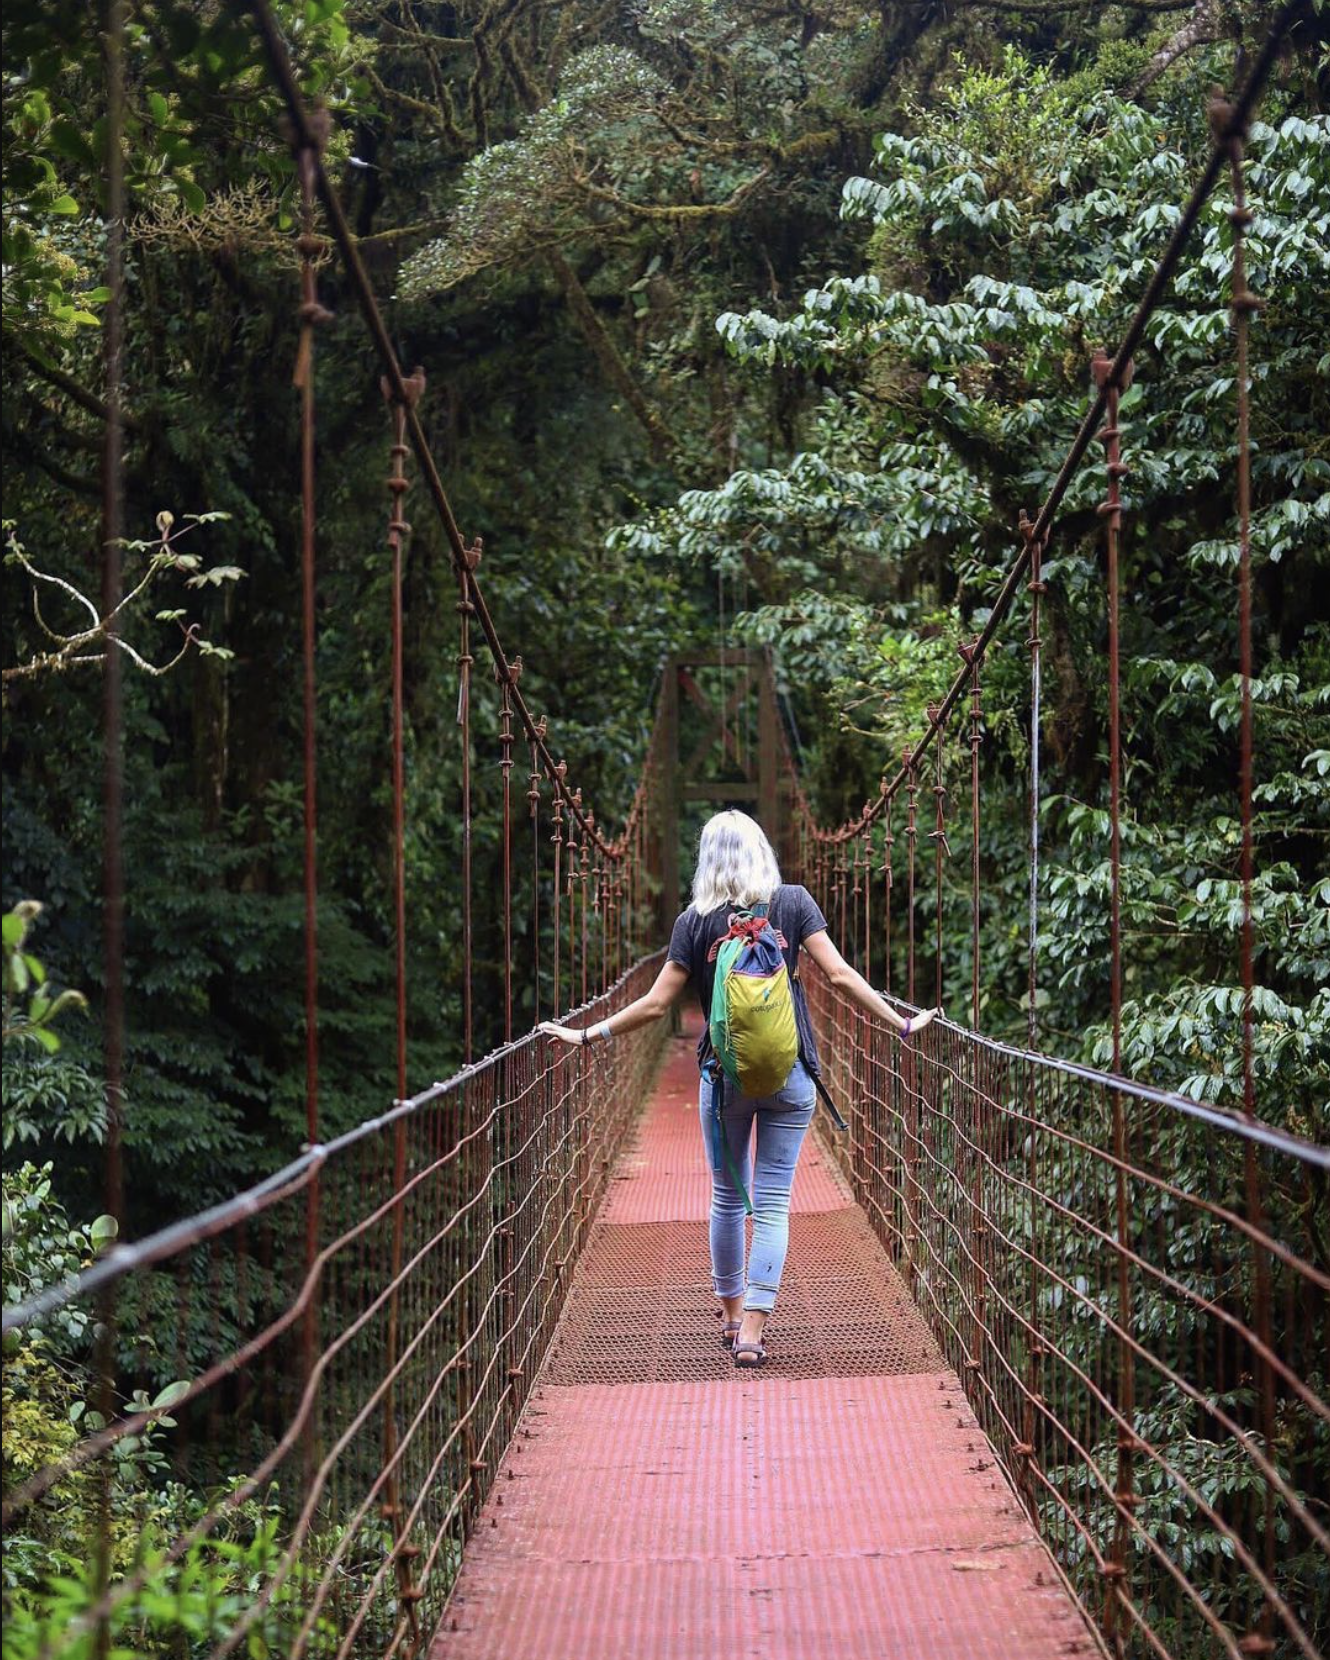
(738, 895)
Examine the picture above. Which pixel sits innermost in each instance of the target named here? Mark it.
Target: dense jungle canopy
(748, 322)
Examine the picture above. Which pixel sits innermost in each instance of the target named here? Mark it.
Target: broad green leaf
(103, 1230)
(190, 194)
(171, 1394)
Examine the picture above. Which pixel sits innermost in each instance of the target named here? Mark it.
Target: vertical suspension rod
(941, 851)
(976, 717)
(311, 315)
(1035, 585)
(1111, 510)
(506, 767)
(911, 837)
(398, 530)
(1243, 304)
(465, 611)
(113, 872)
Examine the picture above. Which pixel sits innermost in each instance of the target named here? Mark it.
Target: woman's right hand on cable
(919, 1021)
(565, 1034)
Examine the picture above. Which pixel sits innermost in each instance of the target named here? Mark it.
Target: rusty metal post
(669, 798)
(398, 531)
(941, 850)
(466, 609)
(1117, 1570)
(1035, 587)
(533, 807)
(911, 839)
(1243, 306)
(888, 842)
(1111, 509)
(560, 773)
(855, 952)
(976, 738)
(113, 786)
(506, 685)
(583, 879)
(768, 760)
(311, 314)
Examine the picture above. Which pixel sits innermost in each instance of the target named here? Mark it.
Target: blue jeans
(782, 1122)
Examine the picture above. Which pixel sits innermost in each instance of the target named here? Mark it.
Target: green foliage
(852, 461)
(31, 1021)
(182, 71)
(49, 1573)
(41, 1249)
(1013, 231)
(540, 178)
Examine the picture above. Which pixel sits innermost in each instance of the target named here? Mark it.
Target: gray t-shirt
(794, 913)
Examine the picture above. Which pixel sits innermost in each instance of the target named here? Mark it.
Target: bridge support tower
(732, 761)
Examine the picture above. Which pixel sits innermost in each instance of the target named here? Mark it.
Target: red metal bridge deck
(655, 1503)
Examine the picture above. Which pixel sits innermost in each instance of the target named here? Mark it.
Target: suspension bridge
(463, 1357)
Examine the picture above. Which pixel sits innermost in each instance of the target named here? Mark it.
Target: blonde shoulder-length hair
(735, 864)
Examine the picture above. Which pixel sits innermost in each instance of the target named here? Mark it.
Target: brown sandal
(756, 1350)
(729, 1334)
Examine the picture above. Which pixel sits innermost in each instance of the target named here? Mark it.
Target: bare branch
(57, 582)
(670, 211)
(1203, 28)
(1037, 6)
(72, 389)
(70, 649)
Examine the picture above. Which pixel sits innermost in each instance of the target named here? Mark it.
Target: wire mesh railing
(298, 1453)
(1104, 1269)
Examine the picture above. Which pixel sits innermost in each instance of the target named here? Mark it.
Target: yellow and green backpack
(753, 1032)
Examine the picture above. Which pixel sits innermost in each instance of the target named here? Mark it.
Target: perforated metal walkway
(842, 1502)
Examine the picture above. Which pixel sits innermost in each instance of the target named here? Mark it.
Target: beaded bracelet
(909, 1022)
